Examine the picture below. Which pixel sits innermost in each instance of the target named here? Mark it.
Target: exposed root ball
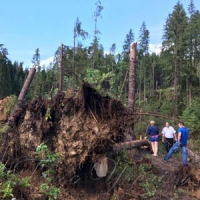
(77, 125)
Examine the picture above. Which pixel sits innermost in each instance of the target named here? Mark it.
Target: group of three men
(168, 138)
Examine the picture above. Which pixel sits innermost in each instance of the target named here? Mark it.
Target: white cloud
(155, 48)
(47, 61)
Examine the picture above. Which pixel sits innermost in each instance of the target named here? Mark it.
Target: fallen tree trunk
(195, 158)
(22, 94)
(26, 84)
(130, 145)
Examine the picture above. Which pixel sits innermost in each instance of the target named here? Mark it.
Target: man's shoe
(165, 160)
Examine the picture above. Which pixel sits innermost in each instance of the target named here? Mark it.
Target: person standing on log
(153, 132)
(168, 136)
(183, 134)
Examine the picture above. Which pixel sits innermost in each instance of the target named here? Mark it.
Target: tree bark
(175, 86)
(130, 145)
(132, 74)
(23, 93)
(26, 84)
(153, 76)
(190, 94)
(187, 91)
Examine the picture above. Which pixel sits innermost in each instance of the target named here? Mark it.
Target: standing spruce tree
(127, 42)
(194, 43)
(143, 58)
(144, 39)
(78, 31)
(124, 63)
(11, 75)
(5, 80)
(36, 58)
(37, 82)
(18, 76)
(194, 35)
(175, 42)
(97, 14)
(154, 75)
(110, 58)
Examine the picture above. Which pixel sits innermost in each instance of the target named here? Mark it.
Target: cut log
(130, 145)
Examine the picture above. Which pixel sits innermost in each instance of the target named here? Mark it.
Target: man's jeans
(173, 148)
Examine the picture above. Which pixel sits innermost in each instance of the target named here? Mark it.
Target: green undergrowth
(10, 181)
(47, 160)
(128, 172)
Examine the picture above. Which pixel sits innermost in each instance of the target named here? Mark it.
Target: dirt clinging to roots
(76, 124)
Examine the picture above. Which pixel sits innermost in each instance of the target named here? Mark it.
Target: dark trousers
(168, 143)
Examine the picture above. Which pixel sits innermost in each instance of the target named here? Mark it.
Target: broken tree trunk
(131, 93)
(130, 145)
(26, 84)
(23, 93)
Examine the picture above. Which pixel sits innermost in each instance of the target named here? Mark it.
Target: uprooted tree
(77, 125)
(82, 126)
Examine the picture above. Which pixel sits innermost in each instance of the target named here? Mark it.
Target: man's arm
(163, 135)
(175, 137)
(179, 138)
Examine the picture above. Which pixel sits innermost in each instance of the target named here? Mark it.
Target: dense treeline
(167, 82)
(12, 75)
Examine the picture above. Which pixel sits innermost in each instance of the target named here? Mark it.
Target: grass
(3, 127)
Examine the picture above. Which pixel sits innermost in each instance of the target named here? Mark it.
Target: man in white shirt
(168, 136)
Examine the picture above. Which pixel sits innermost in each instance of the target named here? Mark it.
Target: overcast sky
(44, 24)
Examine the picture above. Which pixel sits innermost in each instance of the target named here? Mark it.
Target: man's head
(181, 124)
(167, 124)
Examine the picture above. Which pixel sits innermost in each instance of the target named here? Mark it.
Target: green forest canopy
(168, 82)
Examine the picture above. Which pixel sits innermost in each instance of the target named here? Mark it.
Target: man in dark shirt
(183, 134)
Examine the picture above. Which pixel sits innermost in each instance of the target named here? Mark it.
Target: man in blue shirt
(183, 134)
